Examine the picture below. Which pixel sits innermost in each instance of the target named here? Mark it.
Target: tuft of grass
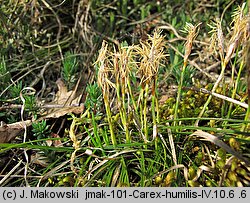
(121, 65)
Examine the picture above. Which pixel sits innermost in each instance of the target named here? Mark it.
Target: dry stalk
(76, 144)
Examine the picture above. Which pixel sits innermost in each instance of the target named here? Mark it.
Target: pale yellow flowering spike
(192, 34)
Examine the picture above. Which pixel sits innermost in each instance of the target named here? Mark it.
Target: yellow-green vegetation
(124, 93)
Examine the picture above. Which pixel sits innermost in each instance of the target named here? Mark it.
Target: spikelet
(217, 37)
(192, 34)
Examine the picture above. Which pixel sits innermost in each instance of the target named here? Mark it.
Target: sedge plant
(238, 37)
(141, 61)
(192, 33)
(151, 54)
(104, 82)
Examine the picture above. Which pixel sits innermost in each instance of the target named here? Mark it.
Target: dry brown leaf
(63, 95)
(215, 140)
(67, 99)
(9, 131)
(56, 113)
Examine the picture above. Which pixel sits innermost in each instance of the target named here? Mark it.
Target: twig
(45, 106)
(205, 91)
(11, 171)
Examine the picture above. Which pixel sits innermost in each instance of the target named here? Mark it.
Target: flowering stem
(154, 107)
(179, 93)
(145, 112)
(112, 134)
